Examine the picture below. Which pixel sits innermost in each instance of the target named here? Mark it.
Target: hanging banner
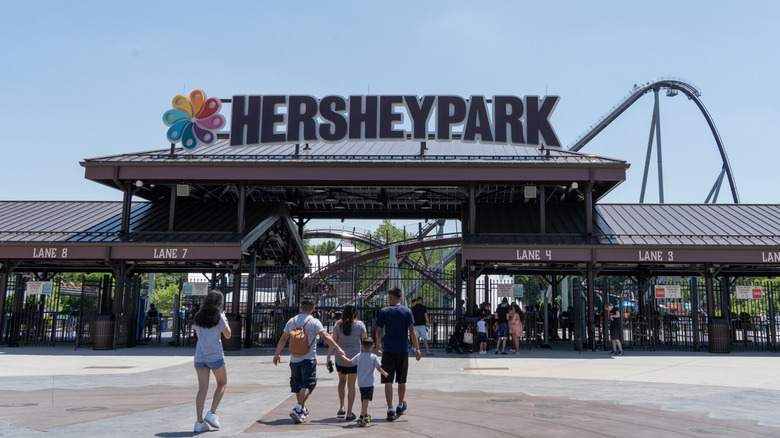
(750, 292)
(668, 291)
(39, 287)
(194, 289)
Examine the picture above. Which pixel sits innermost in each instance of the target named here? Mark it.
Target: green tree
(324, 248)
(166, 287)
(386, 232)
(164, 298)
(162, 280)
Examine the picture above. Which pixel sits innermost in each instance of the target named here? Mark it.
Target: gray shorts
(421, 331)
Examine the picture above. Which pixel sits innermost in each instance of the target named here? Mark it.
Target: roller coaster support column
(393, 277)
(655, 128)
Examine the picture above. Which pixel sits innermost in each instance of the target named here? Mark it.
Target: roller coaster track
(655, 85)
(345, 234)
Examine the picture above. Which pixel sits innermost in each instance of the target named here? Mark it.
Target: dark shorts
(614, 332)
(503, 330)
(367, 393)
(396, 365)
(346, 370)
(482, 337)
(303, 374)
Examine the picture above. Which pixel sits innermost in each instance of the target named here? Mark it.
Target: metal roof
(366, 150)
(689, 224)
(358, 179)
(91, 230)
(616, 224)
(53, 221)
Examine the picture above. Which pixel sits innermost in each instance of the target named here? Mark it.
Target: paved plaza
(149, 391)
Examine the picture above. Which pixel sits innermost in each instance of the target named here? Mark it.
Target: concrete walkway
(150, 390)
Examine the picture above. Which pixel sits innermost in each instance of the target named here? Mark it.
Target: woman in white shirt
(209, 325)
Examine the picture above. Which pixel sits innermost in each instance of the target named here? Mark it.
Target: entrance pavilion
(524, 210)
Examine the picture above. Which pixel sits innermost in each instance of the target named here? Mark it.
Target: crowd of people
(352, 348)
(509, 323)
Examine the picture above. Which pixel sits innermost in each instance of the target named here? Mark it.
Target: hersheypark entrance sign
(276, 119)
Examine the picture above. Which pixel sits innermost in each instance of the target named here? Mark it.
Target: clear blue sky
(88, 79)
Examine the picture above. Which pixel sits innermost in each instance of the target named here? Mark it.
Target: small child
(366, 362)
(482, 332)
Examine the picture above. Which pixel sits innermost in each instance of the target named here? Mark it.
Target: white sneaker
(212, 419)
(297, 416)
(201, 427)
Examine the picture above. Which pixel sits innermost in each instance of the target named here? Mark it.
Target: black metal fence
(751, 323)
(65, 314)
(746, 313)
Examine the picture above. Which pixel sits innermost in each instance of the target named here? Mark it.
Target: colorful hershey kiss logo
(194, 120)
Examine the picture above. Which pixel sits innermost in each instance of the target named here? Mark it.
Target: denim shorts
(503, 330)
(303, 374)
(215, 365)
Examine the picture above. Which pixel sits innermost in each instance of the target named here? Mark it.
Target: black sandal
(341, 413)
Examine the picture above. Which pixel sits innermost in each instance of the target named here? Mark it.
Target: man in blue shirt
(392, 326)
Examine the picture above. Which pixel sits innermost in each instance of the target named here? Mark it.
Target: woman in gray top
(347, 332)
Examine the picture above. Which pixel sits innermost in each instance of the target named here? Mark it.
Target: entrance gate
(65, 315)
(682, 323)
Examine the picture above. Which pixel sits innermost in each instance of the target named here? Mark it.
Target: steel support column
(459, 288)
(725, 304)
(694, 288)
(709, 290)
(471, 289)
(172, 208)
(472, 211)
(18, 306)
(542, 209)
(236, 305)
(605, 318)
(240, 219)
(578, 316)
(590, 303)
(3, 292)
(127, 199)
(250, 300)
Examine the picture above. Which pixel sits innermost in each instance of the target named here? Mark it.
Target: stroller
(456, 343)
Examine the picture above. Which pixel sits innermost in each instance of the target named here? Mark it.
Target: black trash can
(234, 343)
(103, 333)
(720, 338)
